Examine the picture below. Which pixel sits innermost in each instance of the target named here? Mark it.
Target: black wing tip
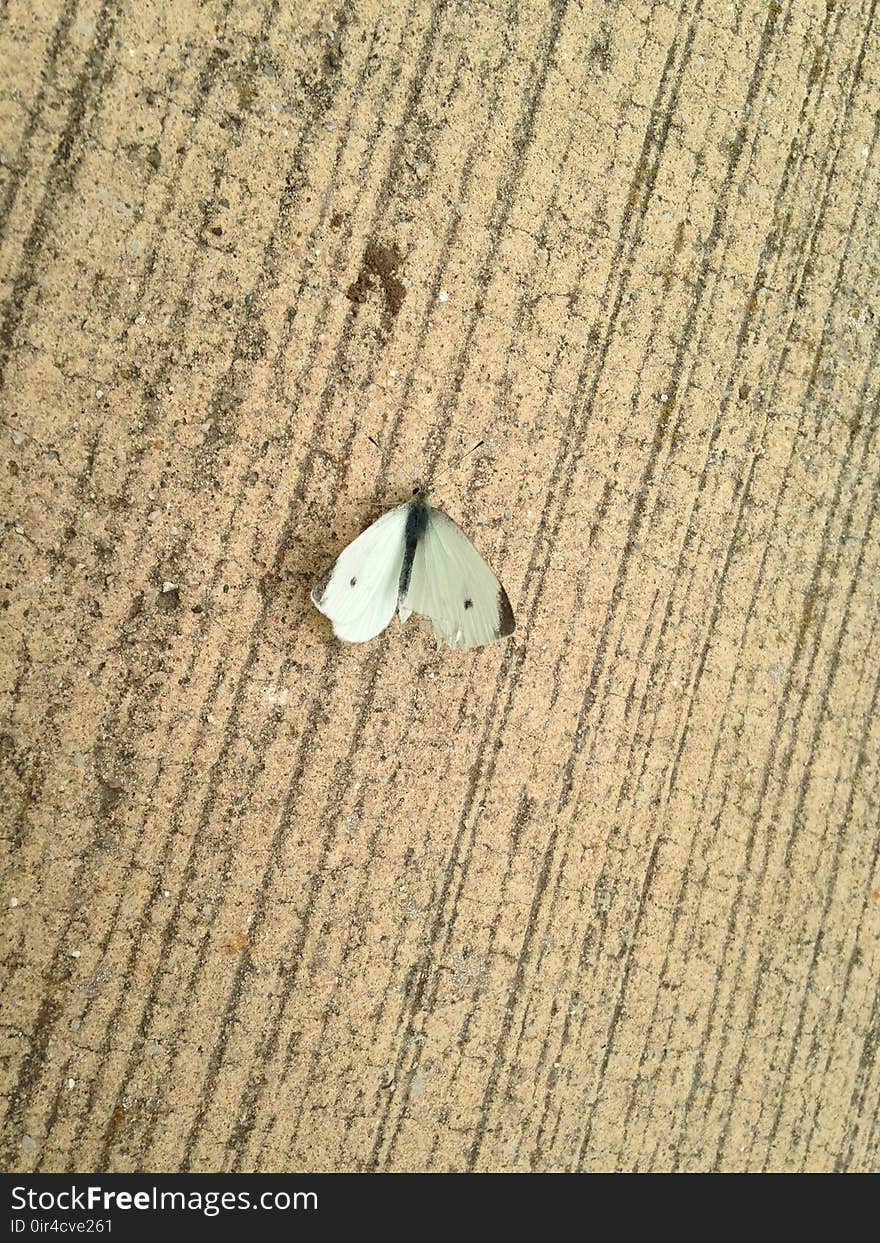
(320, 587)
(506, 619)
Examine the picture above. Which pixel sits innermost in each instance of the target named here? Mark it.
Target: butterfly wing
(453, 585)
(359, 592)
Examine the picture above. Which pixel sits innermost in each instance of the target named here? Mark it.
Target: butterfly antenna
(458, 461)
(472, 449)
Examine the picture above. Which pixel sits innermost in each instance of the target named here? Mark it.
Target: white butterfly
(417, 560)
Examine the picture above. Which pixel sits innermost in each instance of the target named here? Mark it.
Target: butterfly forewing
(453, 586)
(359, 593)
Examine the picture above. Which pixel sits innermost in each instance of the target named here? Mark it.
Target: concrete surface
(603, 897)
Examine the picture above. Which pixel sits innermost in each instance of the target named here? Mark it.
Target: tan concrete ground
(604, 897)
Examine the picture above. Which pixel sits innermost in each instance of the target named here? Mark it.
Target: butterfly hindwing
(359, 593)
(453, 585)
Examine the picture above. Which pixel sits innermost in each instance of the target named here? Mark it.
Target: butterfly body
(414, 559)
(418, 514)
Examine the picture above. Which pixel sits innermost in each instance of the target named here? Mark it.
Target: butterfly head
(420, 493)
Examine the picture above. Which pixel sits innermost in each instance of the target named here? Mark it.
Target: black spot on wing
(506, 619)
(468, 604)
(353, 582)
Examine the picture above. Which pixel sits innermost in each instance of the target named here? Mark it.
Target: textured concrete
(603, 897)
